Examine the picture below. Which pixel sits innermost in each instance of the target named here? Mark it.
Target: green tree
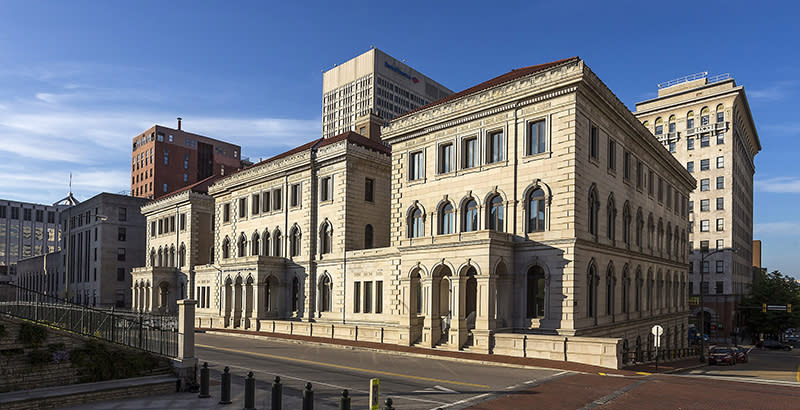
(772, 288)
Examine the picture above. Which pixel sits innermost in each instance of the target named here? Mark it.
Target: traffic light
(789, 308)
(764, 307)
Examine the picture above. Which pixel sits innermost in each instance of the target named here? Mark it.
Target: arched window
(651, 228)
(255, 244)
(720, 113)
(690, 120)
(536, 292)
(677, 238)
(704, 113)
(242, 245)
(659, 126)
(594, 212)
(611, 219)
(416, 293)
(591, 291)
(611, 285)
(671, 126)
(637, 302)
(660, 246)
(496, 213)
(295, 294)
(368, 238)
(325, 287)
(626, 224)
(276, 243)
(294, 242)
(172, 256)
(153, 257)
(182, 256)
(470, 216)
(446, 218)
(639, 228)
(416, 223)
(265, 249)
(226, 248)
(650, 285)
(325, 238)
(536, 210)
(626, 290)
(668, 243)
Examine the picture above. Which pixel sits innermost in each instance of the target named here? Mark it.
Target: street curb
(395, 352)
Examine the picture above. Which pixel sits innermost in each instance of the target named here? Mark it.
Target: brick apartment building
(165, 159)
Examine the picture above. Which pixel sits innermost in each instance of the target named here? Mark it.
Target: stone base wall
(597, 351)
(68, 400)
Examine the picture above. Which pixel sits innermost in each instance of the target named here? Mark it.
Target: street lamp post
(703, 256)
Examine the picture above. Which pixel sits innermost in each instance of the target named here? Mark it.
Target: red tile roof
(509, 76)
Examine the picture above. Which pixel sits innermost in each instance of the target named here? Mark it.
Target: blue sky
(79, 79)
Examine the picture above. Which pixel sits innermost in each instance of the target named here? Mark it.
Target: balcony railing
(711, 127)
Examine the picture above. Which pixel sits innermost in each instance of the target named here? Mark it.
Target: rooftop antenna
(70, 182)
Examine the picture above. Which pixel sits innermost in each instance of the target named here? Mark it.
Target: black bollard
(204, 381)
(344, 401)
(388, 406)
(277, 392)
(249, 392)
(225, 393)
(308, 398)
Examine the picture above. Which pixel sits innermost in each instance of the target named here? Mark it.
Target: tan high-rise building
(363, 93)
(706, 123)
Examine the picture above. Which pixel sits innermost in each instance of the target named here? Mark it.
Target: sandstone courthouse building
(503, 218)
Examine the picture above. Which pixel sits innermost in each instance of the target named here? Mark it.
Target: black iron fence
(646, 356)
(153, 333)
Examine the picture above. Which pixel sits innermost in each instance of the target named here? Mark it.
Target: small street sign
(374, 393)
(657, 331)
(777, 307)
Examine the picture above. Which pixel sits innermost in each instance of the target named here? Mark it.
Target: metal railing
(632, 357)
(153, 333)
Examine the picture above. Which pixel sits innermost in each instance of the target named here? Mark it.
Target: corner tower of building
(706, 123)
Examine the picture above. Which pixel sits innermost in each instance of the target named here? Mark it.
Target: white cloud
(777, 228)
(779, 185)
(774, 92)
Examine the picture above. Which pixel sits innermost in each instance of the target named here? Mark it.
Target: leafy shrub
(97, 362)
(31, 335)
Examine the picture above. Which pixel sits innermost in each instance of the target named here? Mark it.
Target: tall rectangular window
(416, 166)
(704, 164)
(495, 147)
(120, 274)
(720, 224)
(536, 138)
(265, 201)
(612, 154)
(369, 189)
(166, 157)
(660, 189)
(720, 203)
(721, 162)
(277, 201)
(182, 222)
(255, 204)
(720, 182)
(325, 189)
(295, 195)
(720, 287)
(120, 254)
(153, 228)
(704, 142)
(720, 138)
(594, 143)
(367, 297)
(445, 158)
(690, 166)
(242, 207)
(357, 297)
(720, 266)
(705, 184)
(690, 143)
(704, 205)
(720, 244)
(639, 174)
(689, 123)
(226, 212)
(704, 225)
(626, 165)
(122, 234)
(379, 296)
(470, 153)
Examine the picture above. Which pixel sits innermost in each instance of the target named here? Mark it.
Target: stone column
(432, 326)
(485, 321)
(458, 323)
(185, 365)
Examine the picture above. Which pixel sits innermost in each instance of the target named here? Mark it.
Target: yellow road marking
(644, 373)
(339, 366)
(602, 374)
(797, 375)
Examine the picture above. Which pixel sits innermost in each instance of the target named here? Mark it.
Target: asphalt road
(412, 382)
(763, 365)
